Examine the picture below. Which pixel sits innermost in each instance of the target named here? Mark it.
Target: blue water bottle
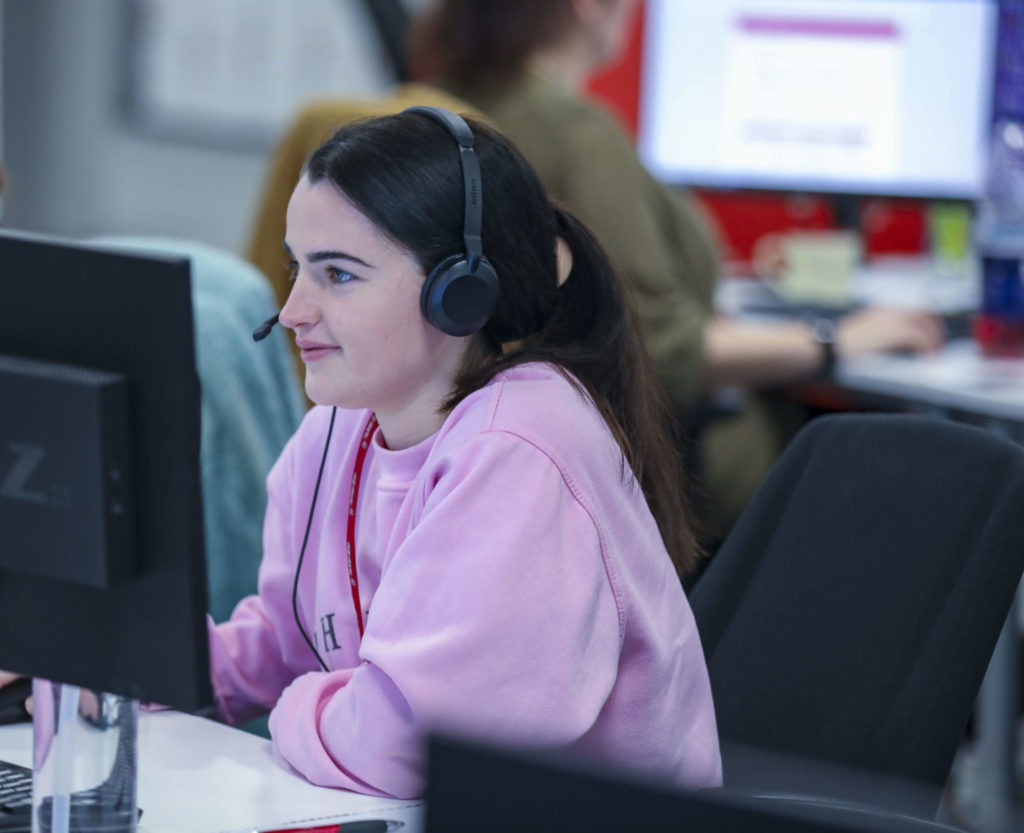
(999, 240)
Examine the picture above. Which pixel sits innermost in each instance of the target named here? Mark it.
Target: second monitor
(869, 97)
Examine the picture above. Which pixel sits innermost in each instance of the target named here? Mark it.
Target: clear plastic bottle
(999, 240)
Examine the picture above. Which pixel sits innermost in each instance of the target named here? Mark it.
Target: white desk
(200, 776)
(957, 379)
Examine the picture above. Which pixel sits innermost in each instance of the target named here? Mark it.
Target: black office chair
(851, 613)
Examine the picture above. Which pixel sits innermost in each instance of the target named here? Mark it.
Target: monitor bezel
(837, 187)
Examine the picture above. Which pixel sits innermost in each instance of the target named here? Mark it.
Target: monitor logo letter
(27, 459)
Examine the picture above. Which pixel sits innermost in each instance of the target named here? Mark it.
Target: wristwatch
(824, 332)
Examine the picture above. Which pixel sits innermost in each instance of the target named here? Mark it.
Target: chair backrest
(852, 611)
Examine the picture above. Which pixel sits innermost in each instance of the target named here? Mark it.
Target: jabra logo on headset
(18, 476)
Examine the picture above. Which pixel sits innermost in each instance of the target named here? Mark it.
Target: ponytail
(591, 332)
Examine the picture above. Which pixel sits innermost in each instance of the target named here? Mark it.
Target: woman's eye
(337, 275)
(293, 269)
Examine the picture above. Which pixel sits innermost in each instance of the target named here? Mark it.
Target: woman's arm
(762, 354)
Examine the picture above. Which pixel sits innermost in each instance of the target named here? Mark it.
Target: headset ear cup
(457, 301)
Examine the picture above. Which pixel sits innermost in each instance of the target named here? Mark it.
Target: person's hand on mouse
(89, 702)
(886, 330)
(9, 677)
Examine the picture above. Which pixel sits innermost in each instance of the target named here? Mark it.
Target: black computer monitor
(848, 97)
(102, 568)
(472, 786)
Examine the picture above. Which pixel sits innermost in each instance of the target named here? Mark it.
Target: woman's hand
(882, 330)
(760, 354)
(8, 677)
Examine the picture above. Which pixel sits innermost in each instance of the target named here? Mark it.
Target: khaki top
(658, 237)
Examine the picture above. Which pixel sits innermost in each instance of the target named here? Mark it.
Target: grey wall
(75, 167)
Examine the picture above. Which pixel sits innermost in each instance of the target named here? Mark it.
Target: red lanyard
(350, 543)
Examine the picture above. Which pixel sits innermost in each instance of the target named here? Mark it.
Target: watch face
(824, 330)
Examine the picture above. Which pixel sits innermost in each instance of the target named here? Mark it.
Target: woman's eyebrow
(316, 257)
(327, 254)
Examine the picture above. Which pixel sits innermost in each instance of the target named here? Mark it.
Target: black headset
(460, 292)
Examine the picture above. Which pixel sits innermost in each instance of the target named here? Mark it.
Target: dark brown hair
(403, 173)
(464, 40)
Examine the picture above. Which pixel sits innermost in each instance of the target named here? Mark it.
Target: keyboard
(15, 798)
(108, 806)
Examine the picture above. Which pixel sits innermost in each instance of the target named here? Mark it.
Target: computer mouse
(12, 701)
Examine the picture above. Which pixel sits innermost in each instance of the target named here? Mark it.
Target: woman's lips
(311, 352)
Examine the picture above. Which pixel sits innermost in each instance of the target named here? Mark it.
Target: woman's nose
(298, 310)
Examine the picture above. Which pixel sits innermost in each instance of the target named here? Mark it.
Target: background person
(525, 65)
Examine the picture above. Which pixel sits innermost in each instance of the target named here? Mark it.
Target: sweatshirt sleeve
(249, 656)
(495, 614)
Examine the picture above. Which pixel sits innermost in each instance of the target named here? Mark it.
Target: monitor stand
(84, 760)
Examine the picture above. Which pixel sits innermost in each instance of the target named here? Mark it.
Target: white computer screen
(889, 97)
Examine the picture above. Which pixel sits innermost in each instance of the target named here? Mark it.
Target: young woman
(480, 528)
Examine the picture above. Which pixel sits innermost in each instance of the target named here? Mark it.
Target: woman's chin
(329, 395)
(316, 393)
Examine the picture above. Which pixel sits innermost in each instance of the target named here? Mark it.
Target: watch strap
(824, 332)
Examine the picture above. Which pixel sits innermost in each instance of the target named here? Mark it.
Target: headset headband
(473, 216)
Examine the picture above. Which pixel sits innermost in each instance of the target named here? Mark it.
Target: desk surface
(957, 377)
(200, 776)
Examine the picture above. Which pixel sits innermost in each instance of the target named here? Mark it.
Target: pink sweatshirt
(515, 588)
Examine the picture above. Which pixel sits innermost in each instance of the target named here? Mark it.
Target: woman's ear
(563, 259)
